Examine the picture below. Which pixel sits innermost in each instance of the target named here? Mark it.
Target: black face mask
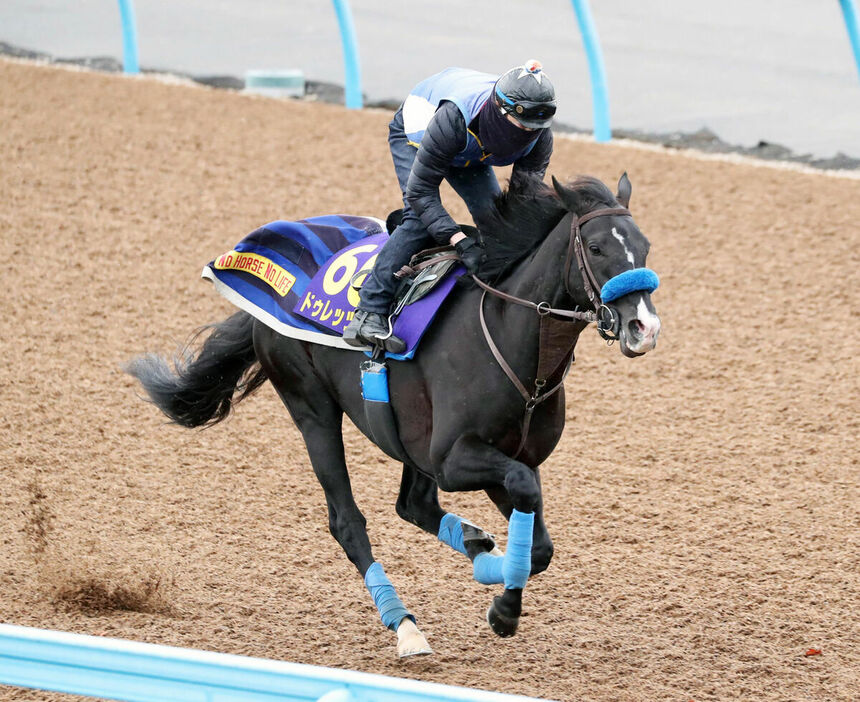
(498, 136)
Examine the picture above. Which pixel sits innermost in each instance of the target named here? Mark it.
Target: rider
(455, 125)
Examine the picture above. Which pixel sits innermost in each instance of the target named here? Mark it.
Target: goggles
(526, 109)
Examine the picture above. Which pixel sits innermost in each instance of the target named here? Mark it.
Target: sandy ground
(703, 501)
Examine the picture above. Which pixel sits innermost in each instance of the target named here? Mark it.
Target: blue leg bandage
(391, 609)
(450, 532)
(487, 569)
(518, 556)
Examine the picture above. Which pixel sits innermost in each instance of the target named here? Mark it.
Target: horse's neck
(539, 278)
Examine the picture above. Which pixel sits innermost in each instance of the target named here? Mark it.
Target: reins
(542, 308)
(557, 336)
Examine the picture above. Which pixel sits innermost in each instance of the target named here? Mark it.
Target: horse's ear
(569, 197)
(624, 190)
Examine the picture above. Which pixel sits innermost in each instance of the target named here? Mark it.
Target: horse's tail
(200, 389)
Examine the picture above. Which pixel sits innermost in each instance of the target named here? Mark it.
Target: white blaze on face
(627, 251)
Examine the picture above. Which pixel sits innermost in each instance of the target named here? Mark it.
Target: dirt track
(703, 501)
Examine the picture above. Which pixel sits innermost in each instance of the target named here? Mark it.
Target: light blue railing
(351, 61)
(352, 65)
(129, 37)
(849, 12)
(599, 93)
(138, 672)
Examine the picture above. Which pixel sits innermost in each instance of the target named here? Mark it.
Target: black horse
(481, 406)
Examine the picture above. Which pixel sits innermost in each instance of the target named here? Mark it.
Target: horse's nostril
(636, 328)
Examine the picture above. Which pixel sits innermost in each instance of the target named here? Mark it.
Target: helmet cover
(526, 94)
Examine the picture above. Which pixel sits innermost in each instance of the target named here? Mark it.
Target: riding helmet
(527, 95)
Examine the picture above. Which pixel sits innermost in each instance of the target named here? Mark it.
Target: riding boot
(372, 329)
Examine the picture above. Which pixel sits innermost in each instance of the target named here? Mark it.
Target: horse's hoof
(410, 640)
(501, 624)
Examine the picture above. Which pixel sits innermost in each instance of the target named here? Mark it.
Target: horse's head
(606, 261)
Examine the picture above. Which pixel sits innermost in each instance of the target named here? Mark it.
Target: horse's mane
(525, 213)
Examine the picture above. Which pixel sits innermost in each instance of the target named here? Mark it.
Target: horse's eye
(594, 249)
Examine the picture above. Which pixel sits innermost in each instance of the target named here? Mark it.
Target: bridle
(557, 335)
(575, 248)
(607, 324)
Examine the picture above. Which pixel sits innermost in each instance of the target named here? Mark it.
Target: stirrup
(358, 336)
(389, 342)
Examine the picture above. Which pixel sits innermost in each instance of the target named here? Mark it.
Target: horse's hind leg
(348, 525)
(418, 503)
(319, 418)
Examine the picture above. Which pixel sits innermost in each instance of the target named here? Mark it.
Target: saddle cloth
(300, 278)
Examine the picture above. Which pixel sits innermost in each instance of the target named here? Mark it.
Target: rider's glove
(471, 253)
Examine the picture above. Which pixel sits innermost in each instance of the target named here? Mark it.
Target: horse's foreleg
(516, 489)
(418, 503)
(542, 548)
(503, 614)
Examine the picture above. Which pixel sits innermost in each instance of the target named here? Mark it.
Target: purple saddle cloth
(298, 277)
(414, 319)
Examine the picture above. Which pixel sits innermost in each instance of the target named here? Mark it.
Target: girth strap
(377, 407)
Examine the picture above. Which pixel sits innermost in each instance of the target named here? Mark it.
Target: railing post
(352, 66)
(129, 37)
(599, 98)
(849, 11)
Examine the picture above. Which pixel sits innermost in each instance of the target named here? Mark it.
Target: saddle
(425, 270)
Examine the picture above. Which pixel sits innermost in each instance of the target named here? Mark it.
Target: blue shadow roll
(628, 282)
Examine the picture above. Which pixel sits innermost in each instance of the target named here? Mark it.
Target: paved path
(747, 69)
